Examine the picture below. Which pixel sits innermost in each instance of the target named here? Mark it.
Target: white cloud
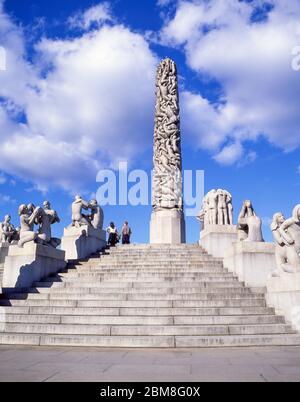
(94, 16)
(92, 105)
(229, 154)
(251, 61)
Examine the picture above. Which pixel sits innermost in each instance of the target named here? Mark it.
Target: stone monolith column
(167, 221)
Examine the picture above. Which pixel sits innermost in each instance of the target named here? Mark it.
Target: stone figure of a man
(212, 206)
(8, 231)
(45, 219)
(222, 208)
(78, 218)
(96, 217)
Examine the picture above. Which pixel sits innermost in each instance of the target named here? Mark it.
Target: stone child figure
(8, 231)
(249, 225)
(78, 218)
(286, 233)
(96, 217)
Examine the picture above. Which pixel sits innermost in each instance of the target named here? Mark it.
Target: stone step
(197, 330)
(235, 341)
(76, 276)
(243, 293)
(140, 284)
(150, 341)
(135, 303)
(156, 271)
(138, 311)
(216, 288)
(151, 330)
(141, 320)
(160, 264)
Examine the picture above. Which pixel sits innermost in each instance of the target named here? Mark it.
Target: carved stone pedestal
(81, 242)
(283, 293)
(252, 262)
(216, 239)
(3, 251)
(24, 266)
(167, 226)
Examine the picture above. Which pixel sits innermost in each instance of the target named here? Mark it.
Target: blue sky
(78, 96)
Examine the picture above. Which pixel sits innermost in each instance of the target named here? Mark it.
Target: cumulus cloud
(83, 104)
(94, 16)
(246, 47)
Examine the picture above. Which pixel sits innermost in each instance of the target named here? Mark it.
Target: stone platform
(144, 296)
(61, 364)
(81, 242)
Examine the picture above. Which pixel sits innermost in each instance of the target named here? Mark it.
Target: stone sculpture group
(217, 208)
(94, 219)
(43, 218)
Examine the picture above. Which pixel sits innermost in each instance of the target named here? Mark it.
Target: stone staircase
(143, 296)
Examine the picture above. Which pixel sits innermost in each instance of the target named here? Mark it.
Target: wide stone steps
(150, 341)
(137, 311)
(142, 320)
(243, 293)
(258, 302)
(160, 330)
(143, 296)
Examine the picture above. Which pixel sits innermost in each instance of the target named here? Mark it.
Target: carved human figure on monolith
(78, 218)
(286, 233)
(167, 182)
(249, 224)
(167, 220)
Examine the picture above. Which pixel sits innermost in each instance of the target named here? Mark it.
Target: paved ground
(80, 364)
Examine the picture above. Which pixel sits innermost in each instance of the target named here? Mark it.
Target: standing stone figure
(8, 231)
(249, 225)
(167, 180)
(286, 233)
(78, 218)
(96, 217)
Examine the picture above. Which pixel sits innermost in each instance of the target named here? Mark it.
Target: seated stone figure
(286, 233)
(249, 225)
(96, 217)
(8, 231)
(27, 219)
(78, 218)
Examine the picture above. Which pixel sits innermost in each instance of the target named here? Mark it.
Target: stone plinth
(3, 251)
(24, 266)
(283, 293)
(167, 226)
(81, 242)
(252, 262)
(216, 239)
